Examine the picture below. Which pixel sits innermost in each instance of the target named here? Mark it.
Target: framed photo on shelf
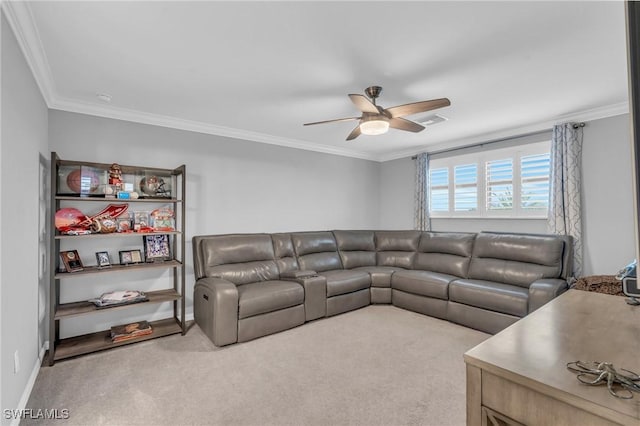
(103, 260)
(156, 248)
(71, 261)
(128, 257)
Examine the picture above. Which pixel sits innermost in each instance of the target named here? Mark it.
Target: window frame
(515, 153)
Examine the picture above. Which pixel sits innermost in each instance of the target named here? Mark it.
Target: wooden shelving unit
(116, 235)
(74, 309)
(118, 268)
(87, 343)
(58, 312)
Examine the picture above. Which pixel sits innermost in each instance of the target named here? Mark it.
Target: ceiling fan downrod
(373, 92)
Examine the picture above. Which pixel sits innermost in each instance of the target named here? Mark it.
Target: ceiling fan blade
(332, 121)
(416, 107)
(354, 133)
(404, 124)
(364, 104)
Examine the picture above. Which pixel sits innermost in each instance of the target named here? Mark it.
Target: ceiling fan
(376, 120)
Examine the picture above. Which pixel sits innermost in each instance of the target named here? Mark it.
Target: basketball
(83, 182)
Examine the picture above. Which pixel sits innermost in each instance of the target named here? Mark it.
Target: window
(500, 184)
(466, 190)
(535, 171)
(439, 183)
(507, 182)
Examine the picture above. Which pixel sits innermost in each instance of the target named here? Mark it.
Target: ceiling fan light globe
(374, 127)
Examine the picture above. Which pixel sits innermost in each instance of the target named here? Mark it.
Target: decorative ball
(108, 190)
(134, 195)
(83, 182)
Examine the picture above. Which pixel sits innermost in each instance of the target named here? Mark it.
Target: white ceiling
(258, 70)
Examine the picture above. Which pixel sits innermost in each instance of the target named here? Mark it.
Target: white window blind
(466, 187)
(510, 182)
(439, 184)
(499, 178)
(535, 171)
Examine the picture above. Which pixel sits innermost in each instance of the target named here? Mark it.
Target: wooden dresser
(519, 376)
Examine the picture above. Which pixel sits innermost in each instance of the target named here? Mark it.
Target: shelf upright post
(183, 174)
(54, 249)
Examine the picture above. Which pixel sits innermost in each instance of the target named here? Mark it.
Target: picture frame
(130, 257)
(71, 261)
(103, 259)
(156, 248)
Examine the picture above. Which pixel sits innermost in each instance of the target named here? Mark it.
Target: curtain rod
(442, 151)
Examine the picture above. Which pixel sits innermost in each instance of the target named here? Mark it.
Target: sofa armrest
(298, 274)
(215, 304)
(315, 295)
(544, 290)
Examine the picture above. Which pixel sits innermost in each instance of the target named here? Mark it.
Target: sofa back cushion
(396, 248)
(517, 259)
(239, 258)
(316, 251)
(445, 252)
(284, 253)
(356, 248)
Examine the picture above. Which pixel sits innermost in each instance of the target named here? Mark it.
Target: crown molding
(20, 18)
(124, 114)
(514, 132)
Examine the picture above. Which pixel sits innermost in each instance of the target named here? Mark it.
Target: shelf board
(118, 200)
(118, 268)
(78, 345)
(117, 234)
(68, 310)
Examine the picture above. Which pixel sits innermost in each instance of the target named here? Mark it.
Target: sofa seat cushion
(268, 296)
(497, 297)
(342, 281)
(423, 283)
(380, 275)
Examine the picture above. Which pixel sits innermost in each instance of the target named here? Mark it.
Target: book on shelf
(118, 298)
(121, 333)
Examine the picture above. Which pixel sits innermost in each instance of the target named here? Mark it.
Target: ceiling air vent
(430, 120)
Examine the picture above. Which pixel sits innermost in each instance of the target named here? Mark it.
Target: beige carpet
(379, 365)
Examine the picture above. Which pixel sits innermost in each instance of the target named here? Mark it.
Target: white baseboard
(22, 404)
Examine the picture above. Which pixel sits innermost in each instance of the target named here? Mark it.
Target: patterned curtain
(422, 221)
(565, 206)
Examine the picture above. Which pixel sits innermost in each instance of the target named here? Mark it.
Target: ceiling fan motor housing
(373, 92)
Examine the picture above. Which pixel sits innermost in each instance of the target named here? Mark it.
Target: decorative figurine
(115, 176)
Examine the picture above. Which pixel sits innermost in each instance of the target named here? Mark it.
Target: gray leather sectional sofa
(252, 285)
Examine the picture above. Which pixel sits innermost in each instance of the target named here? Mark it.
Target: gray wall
(607, 199)
(232, 186)
(608, 229)
(24, 138)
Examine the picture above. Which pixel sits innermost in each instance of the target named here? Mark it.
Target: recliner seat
(251, 285)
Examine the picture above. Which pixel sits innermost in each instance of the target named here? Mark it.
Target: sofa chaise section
(346, 289)
(239, 295)
(357, 251)
(510, 275)
(440, 259)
